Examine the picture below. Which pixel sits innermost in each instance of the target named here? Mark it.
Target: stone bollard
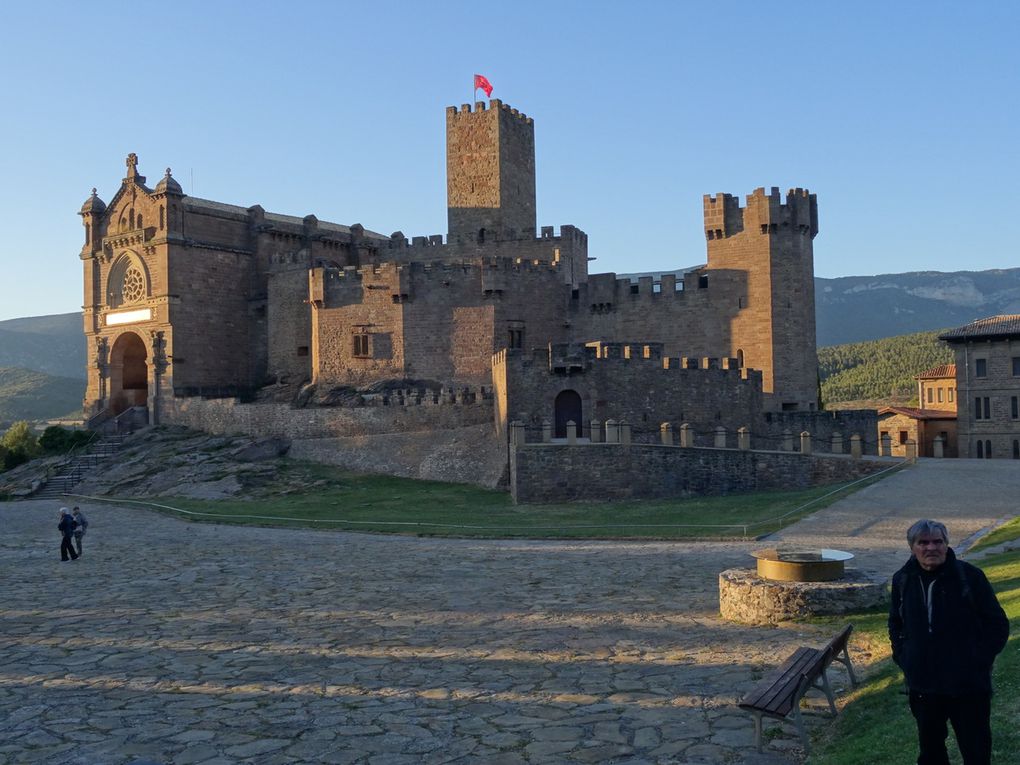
(571, 432)
(625, 433)
(805, 442)
(743, 439)
(596, 432)
(787, 441)
(546, 431)
(885, 446)
(666, 434)
(720, 437)
(612, 432)
(517, 433)
(939, 447)
(911, 449)
(837, 443)
(686, 436)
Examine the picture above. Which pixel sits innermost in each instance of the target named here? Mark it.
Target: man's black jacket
(952, 654)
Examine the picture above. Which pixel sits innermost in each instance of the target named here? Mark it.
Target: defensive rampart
(406, 414)
(616, 471)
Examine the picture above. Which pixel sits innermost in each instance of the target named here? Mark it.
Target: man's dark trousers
(66, 547)
(969, 715)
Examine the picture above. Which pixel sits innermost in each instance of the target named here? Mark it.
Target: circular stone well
(748, 598)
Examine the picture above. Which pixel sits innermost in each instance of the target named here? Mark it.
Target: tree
(19, 440)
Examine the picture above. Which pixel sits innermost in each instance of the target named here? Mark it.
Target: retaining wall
(593, 472)
(228, 415)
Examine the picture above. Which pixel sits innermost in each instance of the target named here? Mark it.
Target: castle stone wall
(210, 318)
(468, 454)
(490, 169)
(694, 321)
(626, 385)
(604, 472)
(822, 426)
(289, 330)
(771, 241)
(229, 415)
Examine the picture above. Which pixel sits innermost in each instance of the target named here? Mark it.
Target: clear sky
(902, 116)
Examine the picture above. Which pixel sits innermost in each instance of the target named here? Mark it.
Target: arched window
(162, 217)
(127, 282)
(1016, 449)
(138, 221)
(988, 450)
(980, 449)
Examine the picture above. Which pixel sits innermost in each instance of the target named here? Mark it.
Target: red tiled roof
(936, 373)
(1007, 325)
(918, 414)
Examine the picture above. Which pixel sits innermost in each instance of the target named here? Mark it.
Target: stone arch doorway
(129, 373)
(567, 409)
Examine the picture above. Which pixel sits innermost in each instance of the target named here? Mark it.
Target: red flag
(484, 84)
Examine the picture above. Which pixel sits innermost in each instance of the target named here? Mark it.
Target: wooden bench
(779, 694)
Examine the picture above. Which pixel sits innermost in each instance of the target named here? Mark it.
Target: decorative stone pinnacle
(168, 172)
(94, 191)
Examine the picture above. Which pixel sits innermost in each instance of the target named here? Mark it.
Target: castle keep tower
(770, 242)
(490, 171)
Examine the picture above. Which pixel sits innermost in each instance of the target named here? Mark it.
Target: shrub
(58, 440)
(19, 440)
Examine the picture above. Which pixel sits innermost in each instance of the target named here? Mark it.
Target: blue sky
(903, 118)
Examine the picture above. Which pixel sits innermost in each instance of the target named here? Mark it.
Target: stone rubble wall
(593, 472)
(747, 598)
(459, 455)
(229, 416)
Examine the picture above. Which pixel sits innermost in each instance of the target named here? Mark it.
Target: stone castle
(187, 298)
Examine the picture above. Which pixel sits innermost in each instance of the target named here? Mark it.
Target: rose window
(134, 285)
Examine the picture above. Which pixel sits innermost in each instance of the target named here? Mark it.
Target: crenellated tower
(770, 242)
(490, 171)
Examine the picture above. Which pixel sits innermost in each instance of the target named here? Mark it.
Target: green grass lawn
(329, 498)
(876, 727)
(1007, 532)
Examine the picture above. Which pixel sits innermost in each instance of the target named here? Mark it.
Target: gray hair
(926, 526)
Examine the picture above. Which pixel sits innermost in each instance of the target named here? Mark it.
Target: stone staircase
(81, 465)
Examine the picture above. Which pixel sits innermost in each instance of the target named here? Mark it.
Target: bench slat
(775, 692)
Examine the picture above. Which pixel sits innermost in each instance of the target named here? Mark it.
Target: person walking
(946, 628)
(66, 527)
(82, 524)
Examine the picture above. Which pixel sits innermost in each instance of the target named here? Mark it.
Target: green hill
(52, 344)
(879, 369)
(29, 395)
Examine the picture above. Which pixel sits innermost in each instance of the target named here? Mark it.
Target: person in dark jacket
(66, 528)
(81, 526)
(946, 627)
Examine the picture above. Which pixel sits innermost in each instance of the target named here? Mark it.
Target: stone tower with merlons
(771, 241)
(490, 172)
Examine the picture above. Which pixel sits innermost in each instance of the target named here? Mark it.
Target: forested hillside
(31, 395)
(51, 344)
(879, 369)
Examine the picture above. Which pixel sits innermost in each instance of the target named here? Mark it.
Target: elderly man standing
(946, 627)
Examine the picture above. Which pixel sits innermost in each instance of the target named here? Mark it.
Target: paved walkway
(198, 644)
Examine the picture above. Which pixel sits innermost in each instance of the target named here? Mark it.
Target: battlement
(574, 358)
(569, 234)
(763, 214)
(494, 105)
